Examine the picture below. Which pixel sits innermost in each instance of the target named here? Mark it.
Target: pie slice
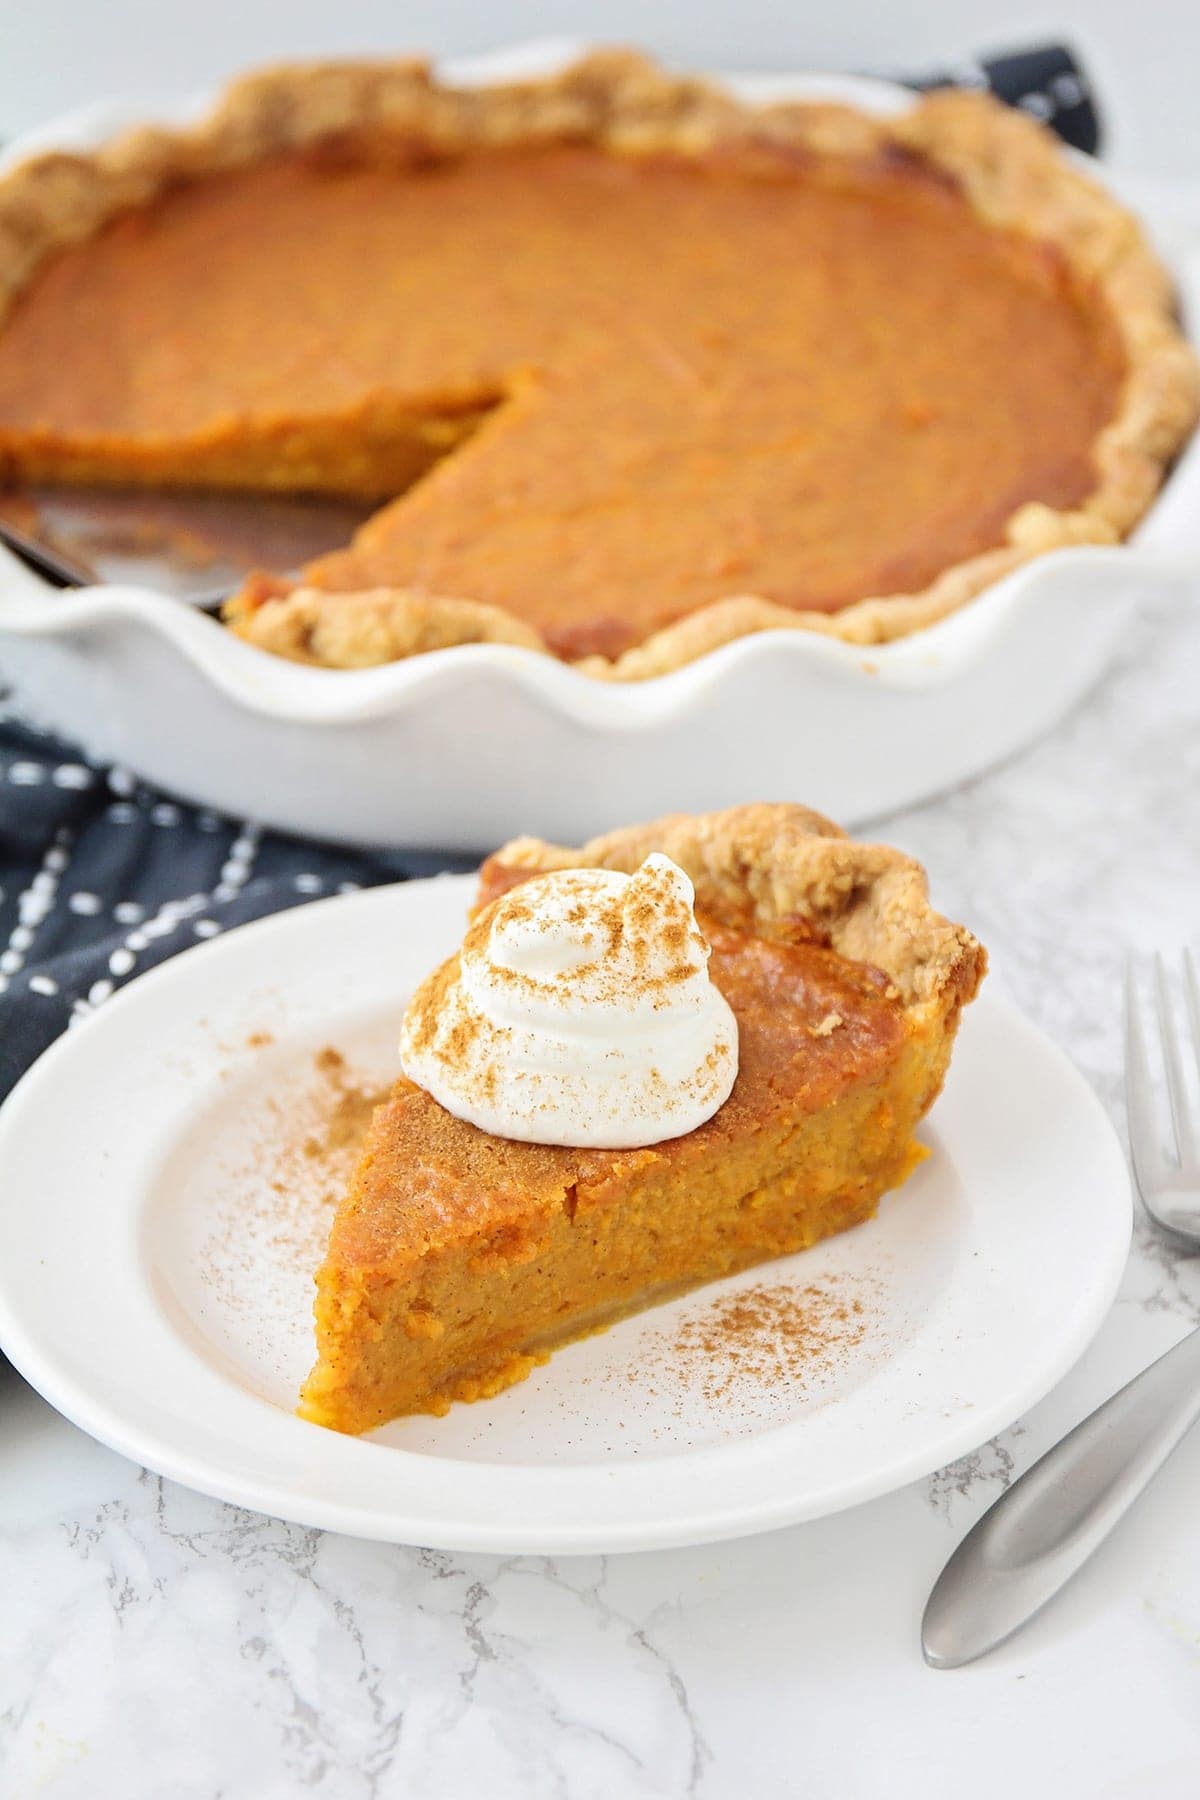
(630, 367)
(458, 1259)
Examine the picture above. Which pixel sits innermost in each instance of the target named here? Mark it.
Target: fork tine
(1192, 984)
(1144, 1141)
(1173, 1062)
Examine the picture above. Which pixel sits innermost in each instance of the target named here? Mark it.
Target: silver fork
(1047, 1524)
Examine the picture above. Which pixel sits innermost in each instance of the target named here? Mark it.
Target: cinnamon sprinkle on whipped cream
(579, 1011)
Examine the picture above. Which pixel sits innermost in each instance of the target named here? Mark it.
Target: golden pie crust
(1009, 171)
(457, 1260)
(779, 869)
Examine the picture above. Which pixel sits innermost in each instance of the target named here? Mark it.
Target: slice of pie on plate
(459, 1258)
(632, 368)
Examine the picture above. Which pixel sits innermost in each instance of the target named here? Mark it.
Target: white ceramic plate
(156, 1286)
(463, 747)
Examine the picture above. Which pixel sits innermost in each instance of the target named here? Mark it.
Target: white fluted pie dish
(462, 747)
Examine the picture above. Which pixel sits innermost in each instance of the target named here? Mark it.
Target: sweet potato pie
(459, 1258)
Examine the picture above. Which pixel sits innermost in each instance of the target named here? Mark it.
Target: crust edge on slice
(777, 866)
(395, 1334)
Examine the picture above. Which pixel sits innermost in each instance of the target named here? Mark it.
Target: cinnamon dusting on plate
(249, 1197)
(764, 1337)
(346, 1112)
(278, 1204)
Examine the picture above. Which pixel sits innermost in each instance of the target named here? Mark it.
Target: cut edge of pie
(1009, 168)
(426, 1297)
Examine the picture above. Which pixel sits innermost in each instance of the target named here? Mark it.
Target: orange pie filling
(599, 390)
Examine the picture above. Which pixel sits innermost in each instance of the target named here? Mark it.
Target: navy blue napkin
(1046, 82)
(101, 877)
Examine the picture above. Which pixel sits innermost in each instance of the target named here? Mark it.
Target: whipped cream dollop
(579, 1011)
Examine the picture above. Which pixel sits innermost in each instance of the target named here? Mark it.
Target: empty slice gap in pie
(459, 1258)
(631, 368)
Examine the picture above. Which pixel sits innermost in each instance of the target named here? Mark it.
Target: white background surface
(1143, 57)
(162, 1646)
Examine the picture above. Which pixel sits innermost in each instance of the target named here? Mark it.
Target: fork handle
(1047, 1524)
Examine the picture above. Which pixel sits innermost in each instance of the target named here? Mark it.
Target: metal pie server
(197, 546)
(1039, 1533)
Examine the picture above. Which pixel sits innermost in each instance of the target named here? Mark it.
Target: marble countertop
(163, 1645)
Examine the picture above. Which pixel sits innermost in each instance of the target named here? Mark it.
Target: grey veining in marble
(158, 1644)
